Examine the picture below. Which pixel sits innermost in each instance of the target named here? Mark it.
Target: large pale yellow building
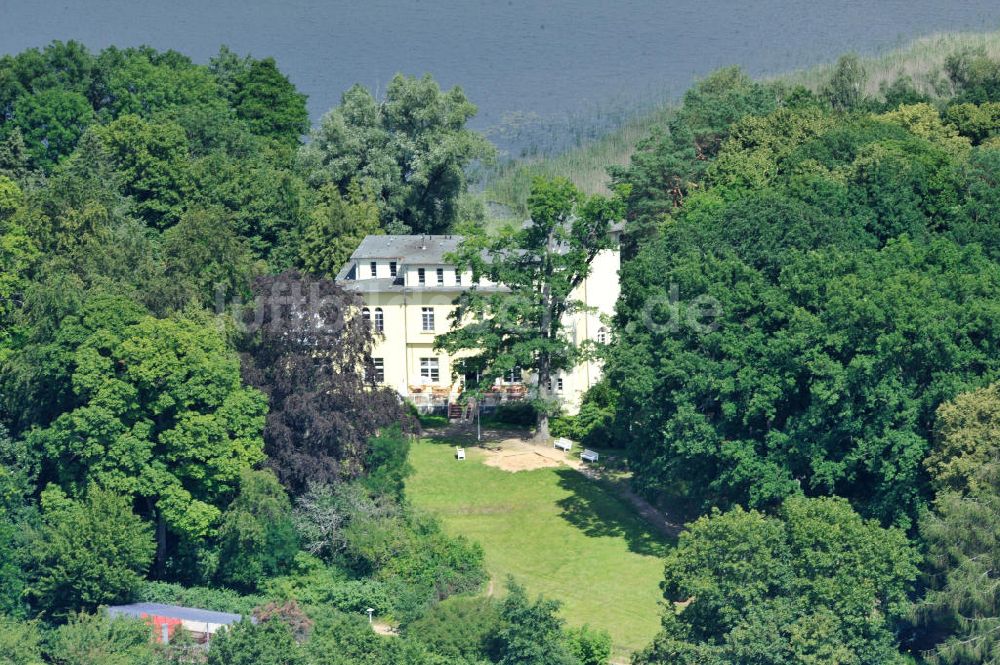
(408, 289)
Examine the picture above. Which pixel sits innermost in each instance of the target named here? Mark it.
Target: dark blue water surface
(544, 57)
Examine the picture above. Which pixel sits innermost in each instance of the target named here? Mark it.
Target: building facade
(409, 288)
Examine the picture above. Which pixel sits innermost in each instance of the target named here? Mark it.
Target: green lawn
(557, 532)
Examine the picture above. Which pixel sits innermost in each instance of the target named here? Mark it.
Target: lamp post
(371, 612)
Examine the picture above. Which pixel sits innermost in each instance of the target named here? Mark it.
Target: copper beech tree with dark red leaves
(312, 359)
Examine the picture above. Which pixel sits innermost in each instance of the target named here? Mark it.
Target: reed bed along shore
(505, 187)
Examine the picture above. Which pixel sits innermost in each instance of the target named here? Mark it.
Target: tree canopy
(411, 149)
(813, 583)
(157, 413)
(538, 267)
(322, 414)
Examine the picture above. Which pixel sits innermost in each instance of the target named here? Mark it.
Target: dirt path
(384, 629)
(648, 511)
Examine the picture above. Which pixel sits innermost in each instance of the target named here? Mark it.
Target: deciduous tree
(309, 352)
(846, 88)
(815, 583)
(51, 122)
(529, 633)
(257, 539)
(158, 414)
(88, 552)
(153, 159)
(538, 266)
(967, 441)
(412, 149)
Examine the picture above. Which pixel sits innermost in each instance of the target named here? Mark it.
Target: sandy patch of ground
(519, 461)
(518, 455)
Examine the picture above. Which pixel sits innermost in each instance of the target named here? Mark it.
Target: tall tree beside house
(412, 149)
(335, 228)
(540, 265)
(311, 357)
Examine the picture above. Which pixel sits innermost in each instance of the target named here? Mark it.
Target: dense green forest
(804, 364)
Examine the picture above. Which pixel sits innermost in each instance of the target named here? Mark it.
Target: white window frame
(421, 276)
(378, 320)
(392, 269)
(427, 319)
(440, 276)
(430, 370)
(379, 364)
(513, 377)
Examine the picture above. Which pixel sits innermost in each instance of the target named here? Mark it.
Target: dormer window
(392, 268)
(374, 268)
(440, 273)
(458, 277)
(421, 276)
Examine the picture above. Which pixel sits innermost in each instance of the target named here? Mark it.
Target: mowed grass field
(557, 532)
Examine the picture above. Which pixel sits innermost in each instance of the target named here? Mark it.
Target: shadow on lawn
(597, 513)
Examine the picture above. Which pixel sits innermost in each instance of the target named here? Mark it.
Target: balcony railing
(431, 399)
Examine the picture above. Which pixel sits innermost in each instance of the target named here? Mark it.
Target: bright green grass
(556, 532)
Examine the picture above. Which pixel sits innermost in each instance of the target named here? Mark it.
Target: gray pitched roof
(139, 610)
(415, 250)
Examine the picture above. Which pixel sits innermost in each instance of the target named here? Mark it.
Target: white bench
(589, 456)
(563, 444)
(459, 453)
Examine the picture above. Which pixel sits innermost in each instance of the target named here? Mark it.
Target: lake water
(544, 58)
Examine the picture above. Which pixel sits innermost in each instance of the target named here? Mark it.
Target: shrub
(592, 425)
(339, 639)
(521, 413)
(257, 537)
(564, 426)
(95, 638)
(590, 646)
(457, 627)
(218, 600)
(327, 587)
(20, 642)
(265, 643)
(88, 552)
